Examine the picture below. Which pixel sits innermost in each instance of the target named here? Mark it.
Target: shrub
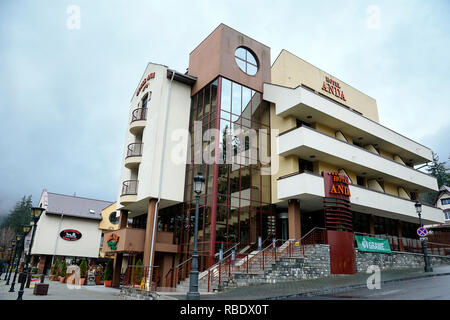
(55, 267)
(138, 272)
(83, 268)
(107, 275)
(63, 269)
(34, 270)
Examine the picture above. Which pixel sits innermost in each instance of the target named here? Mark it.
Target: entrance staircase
(266, 265)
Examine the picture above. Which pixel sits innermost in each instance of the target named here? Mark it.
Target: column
(117, 267)
(371, 225)
(294, 219)
(123, 219)
(149, 232)
(400, 235)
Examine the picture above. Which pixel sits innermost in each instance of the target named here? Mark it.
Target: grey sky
(65, 93)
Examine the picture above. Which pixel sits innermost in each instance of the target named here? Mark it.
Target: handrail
(219, 262)
(134, 149)
(139, 114)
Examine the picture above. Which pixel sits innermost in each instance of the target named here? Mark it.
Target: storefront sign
(112, 241)
(144, 83)
(333, 87)
(70, 235)
(370, 244)
(336, 185)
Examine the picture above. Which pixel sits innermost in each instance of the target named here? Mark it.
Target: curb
(348, 288)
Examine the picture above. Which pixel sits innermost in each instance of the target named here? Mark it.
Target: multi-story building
(267, 139)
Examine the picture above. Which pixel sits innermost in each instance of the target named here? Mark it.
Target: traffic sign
(422, 232)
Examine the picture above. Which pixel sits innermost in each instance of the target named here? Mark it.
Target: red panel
(342, 253)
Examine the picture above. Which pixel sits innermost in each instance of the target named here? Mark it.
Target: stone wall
(395, 260)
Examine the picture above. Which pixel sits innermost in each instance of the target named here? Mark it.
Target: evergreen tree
(20, 215)
(441, 172)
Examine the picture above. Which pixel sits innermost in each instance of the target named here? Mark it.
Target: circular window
(246, 61)
(113, 218)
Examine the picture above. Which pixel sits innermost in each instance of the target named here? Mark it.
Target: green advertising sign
(372, 244)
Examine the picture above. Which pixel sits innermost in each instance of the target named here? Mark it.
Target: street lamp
(20, 241)
(193, 293)
(36, 212)
(428, 268)
(12, 252)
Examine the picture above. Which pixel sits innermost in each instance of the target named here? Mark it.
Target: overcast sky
(65, 91)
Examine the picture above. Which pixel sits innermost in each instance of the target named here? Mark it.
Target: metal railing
(135, 149)
(129, 187)
(138, 277)
(254, 263)
(139, 114)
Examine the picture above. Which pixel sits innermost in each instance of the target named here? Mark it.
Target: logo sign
(333, 87)
(370, 244)
(112, 241)
(144, 83)
(422, 232)
(70, 235)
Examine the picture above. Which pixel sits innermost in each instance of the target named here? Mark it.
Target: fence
(138, 277)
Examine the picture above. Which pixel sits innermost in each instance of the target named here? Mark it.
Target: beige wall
(290, 71)
(105, 224)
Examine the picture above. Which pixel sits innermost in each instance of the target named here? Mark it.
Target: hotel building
(289, 129)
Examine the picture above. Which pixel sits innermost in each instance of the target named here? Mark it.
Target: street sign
(422, 232)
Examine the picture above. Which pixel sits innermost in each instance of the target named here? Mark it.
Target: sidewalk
(60, 291)
(321, 286)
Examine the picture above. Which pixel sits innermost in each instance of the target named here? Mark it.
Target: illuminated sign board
(70, 235)
(336, 185)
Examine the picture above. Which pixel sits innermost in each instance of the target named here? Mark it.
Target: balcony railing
(129, 187)
(135, 150)
(139, 114)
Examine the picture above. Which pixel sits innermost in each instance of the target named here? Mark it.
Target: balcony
(129, 192)
(305, 104)
(134, 155)
(308, 143)
(309, 189)
(138, 120)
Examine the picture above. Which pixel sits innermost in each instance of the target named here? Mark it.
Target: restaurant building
(67, 229)
(284, 148)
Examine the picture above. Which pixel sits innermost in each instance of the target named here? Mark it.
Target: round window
(246, 61)
(113, 218)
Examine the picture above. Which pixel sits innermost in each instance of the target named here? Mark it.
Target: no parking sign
(422, 232)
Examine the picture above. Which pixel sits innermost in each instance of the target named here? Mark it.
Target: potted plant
(138, 274)
(34, 270)
(83, 272)
(54, 270)
(107, 276)
(62, 274)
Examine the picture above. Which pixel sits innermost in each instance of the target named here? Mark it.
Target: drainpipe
(160, 180)
(57, 238)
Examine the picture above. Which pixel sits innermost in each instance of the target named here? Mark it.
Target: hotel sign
(336, 185)
(144, 83)
(333, 87)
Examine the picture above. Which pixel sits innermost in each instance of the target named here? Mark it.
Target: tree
(20, 215)
(83, 268)
(441, 172)
(63, 269)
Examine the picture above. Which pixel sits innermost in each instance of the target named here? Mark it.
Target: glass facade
(235, 205)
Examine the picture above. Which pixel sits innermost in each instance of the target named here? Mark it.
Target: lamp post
(428, 268)
(20, 241)
(193, 293)
(36, 212)
(12, 252)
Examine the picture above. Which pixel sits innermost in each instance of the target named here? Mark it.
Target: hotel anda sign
(333, 87)
(336, 185)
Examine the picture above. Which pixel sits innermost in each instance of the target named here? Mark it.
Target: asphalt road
(433, 288)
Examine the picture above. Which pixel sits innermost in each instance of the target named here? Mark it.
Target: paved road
(433, 288)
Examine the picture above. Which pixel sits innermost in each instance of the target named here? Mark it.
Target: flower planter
(62, 279)
(107, 283)
(82, 281)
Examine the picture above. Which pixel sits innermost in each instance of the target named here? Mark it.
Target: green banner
(372, 244)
